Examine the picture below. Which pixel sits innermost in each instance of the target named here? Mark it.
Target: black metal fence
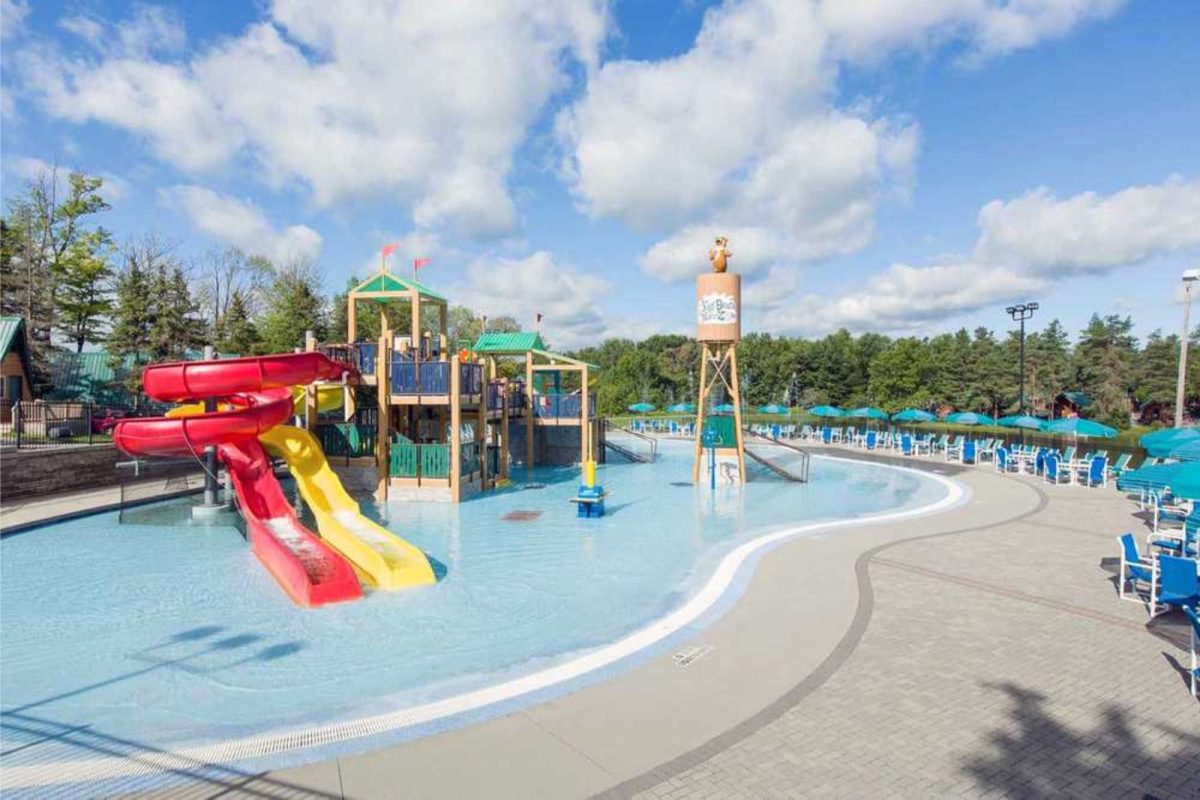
(38, 424)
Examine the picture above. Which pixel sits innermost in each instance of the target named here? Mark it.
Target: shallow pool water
(173, 635)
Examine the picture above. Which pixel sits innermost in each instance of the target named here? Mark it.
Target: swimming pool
(175, 637)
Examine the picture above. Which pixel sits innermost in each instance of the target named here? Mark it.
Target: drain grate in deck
(521, 515)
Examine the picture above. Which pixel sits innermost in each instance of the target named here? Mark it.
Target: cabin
(14, 365)
(430, 421)
(1070, 404)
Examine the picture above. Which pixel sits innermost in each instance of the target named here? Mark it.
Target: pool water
(176, 635)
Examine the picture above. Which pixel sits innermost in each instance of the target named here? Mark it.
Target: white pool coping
(259, 746)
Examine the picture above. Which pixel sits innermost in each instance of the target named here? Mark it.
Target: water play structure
(256, 398)
(718, 329)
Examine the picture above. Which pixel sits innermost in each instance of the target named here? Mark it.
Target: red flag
(419, 262)
(388, 249)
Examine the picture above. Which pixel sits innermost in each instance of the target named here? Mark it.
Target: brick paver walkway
(997, 663)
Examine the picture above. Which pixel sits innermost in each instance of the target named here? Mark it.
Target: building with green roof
(14, 364)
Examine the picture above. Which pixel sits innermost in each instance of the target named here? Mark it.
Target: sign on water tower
(719, 307)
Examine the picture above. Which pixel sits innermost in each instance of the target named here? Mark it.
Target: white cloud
(419, 102)
(114, 189)
(1089, 232)
(868, 30)
(1023, 244)
(12, 18)
(243, 224)
(523, 288)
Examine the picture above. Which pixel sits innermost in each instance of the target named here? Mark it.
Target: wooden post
(502, 439)
(736, 391)
(481, 432)
(529, 410)
(351, 327)
(455, 430)
(705, 353)
(383, 449)
(310, 391)
(584, 429)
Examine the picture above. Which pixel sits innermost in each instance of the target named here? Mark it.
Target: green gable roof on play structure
(387, 282)
(511, 344)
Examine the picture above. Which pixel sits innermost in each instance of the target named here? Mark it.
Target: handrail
(806, 458)
(625, 451)
(653, 442)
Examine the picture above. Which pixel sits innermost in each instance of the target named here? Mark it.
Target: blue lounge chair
(1122, 463)
(871, 437)
(968, 453)
(1001, 459)
(1053, 473)
(1166, 513)
(954, 449)
(1134, 568)
(906, 445)
(1096, 472)
(827, 435)
(1176, 584)
(1194, 673)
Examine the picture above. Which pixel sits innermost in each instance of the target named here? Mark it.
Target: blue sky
(902, 170)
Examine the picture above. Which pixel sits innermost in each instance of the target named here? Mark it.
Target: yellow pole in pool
(589, 474)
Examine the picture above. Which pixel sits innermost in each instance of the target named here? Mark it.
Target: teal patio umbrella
(1022, 421)
(683, 408)
(826, 411)
(1161, 444)
(642, 408)
(1183, 478)
(868, 412)
(773, 408)
(1078, 426)
(969, 418)
(724, 408)
(913, 415)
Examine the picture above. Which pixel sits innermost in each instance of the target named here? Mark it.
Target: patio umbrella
(1182, 477)
(868, 412)
(969, 418)
(642, 408)
(826, 411)
(1078, 426)
(683, 408)
(1161, 444)
(913, 415)
(1022, 421)
(773, 409)
(724, 408)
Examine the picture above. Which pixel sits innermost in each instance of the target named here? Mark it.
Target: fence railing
(37, 424)
(558, 406)
(347, 439)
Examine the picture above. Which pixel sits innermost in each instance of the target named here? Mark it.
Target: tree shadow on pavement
(1034, 755)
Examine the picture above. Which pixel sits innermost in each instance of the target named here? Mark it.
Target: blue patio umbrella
(969, 418)
(868, 412)
(826, 411)
(683, 408)
(1022, 421)
(642, 408)
(913, 415)
(1078, 426)
(1160, 444)
(1183, 478)
(724, 408)
(773, 408)
(1188, 451)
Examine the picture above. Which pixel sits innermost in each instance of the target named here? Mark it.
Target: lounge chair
(955, 448)
(1134, 568)
(827, 435)
(906, 445)
(1095, 472)
(1175, 583)
(1069, 453)
(869, 440)
(1122, 462)
(1181, 541)
(1168, 515)
(1194, 672)
(1055, 474)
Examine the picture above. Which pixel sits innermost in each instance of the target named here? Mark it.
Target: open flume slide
(389, 561)
(259, 391)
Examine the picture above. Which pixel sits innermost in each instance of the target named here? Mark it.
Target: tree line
(77, 287)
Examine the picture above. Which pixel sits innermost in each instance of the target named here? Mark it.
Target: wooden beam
(704, 356)
(310, 391)
(529, 410)
(383, 409)
(351, 316)
(455, 431)
(584, 430)
(737, 412)
(503, 437)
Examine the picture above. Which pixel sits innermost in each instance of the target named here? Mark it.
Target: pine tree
(177, 327)
(236, 332)
(294, 306)
(84, 297)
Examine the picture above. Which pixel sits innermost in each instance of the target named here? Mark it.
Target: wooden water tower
(718, 329)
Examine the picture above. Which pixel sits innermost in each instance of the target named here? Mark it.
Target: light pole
(1020, 313)
(1189, 277)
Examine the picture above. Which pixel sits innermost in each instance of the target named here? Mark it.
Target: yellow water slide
(385, 558)
(330, 397)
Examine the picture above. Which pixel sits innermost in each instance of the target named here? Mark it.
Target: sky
(906, 168)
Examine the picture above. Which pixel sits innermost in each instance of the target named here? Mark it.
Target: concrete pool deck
(978, 652)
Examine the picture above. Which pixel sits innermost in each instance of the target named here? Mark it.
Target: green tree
(900, 375)
(235, 332)
(1103, 366)
(294, 306)
(83, 297)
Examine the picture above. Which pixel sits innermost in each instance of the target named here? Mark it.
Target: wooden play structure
(718, 329)
(432, 419)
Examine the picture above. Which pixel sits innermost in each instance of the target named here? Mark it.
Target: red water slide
(260, 390)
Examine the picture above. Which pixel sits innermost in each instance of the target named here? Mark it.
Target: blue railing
(420, 377)
(495, 399)
(470, 378)
(556, 406)
(366, 357)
